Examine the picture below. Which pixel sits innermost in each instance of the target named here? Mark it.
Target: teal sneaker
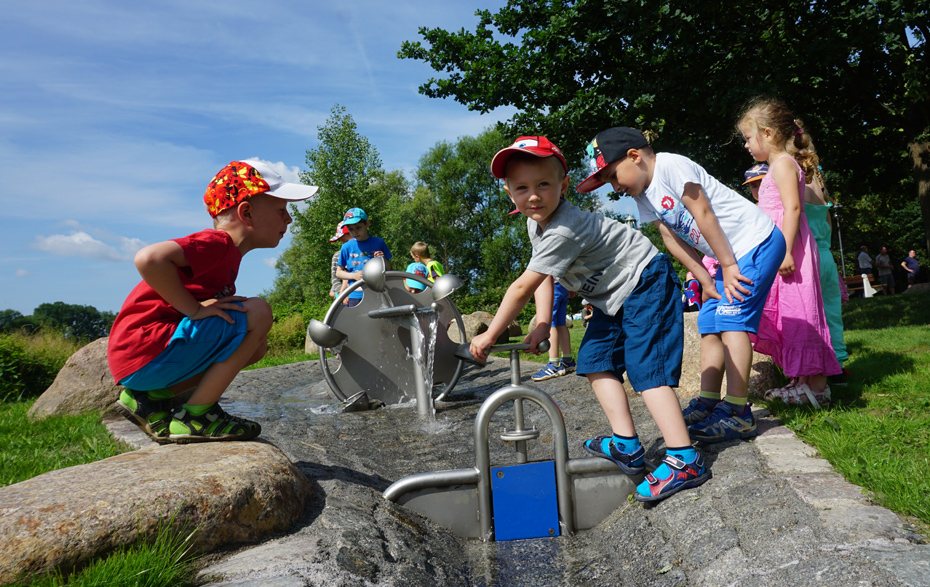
(151, 415)
(549, 371)
(724, 424)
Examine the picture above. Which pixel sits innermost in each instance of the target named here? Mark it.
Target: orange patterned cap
(240, 180)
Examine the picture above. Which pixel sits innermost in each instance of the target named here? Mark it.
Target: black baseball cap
(607, 147)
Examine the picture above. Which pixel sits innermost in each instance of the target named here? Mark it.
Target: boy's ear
(566, 181)
(244, 212)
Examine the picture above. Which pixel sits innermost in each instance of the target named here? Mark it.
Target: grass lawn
(877, 432)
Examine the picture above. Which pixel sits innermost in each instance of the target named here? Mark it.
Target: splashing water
(426, 369)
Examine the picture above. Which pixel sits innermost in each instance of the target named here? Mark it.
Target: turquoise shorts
(194, 346)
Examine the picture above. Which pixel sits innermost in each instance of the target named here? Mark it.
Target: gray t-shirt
(586, 252)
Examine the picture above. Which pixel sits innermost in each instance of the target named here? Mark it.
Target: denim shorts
(761, 266)
(559, 305)
(194, 346)
(645, 339)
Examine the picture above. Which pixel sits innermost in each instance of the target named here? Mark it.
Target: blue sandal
(604, 447)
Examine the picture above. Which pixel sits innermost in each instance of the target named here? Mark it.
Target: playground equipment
(381, 342)
(525, 500)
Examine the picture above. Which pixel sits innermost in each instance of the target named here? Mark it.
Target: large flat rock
(230, 492)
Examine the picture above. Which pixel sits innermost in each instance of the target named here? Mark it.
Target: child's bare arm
(785, 175)
(545, 297)
(518, 294)
(158, 265)
(687, 256)
(341, 273)
(695, 200)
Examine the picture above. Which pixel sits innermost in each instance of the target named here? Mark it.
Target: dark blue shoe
(696, 412)
(568, 364)
(723, 424)
(682, 476)
(604, 447)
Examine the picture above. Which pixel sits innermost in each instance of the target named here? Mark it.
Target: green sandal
(214, 425)
(151, 415)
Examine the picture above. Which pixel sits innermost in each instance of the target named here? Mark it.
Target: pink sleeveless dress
(794, 330)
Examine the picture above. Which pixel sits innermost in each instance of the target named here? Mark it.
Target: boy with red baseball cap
(183, 327)
(636, 327)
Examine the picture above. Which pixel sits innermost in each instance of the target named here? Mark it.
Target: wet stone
(746, 525)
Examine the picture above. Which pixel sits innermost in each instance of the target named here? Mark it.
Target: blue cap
(354, 216)
(756, 172)
(416, 269)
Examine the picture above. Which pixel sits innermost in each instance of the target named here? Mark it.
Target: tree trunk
(920, 152)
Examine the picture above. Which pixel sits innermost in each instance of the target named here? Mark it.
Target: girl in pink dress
(794, 328)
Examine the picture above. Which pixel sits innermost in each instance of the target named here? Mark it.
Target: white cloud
(23, 273)
(81, 244)
(270, 261)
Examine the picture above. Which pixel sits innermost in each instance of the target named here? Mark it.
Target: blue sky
(114, 116)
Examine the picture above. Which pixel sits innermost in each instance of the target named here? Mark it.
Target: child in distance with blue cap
(355, 253)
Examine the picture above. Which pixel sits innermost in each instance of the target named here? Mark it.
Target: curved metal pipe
(483, 457)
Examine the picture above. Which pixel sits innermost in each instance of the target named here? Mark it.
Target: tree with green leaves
(461, 211)
(85, 323)
(347, 169)
(855, 71)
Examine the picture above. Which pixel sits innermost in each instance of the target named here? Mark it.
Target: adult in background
(883, 261)
(912, 266)
(864, 260)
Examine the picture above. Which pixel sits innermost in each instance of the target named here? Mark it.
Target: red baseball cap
(538, 146)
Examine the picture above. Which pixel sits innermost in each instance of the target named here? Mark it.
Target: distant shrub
(287, 334)
(29, 363)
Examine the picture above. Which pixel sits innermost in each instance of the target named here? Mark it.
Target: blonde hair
(420, 249)
(787, 131)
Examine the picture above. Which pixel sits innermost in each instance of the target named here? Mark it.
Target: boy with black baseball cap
(696, 214)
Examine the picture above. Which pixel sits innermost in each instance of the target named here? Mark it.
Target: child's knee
(259, 315)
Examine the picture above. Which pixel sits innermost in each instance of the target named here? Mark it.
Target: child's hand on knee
(218, 307)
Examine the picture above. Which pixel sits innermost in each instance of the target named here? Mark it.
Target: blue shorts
(559, 305)
(761, 266)
(645, 339)
(194, 346)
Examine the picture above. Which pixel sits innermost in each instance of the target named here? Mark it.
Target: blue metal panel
(525, 504)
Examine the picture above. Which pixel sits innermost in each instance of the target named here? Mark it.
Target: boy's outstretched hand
(480, 344)
(216, 307)
(539, 334)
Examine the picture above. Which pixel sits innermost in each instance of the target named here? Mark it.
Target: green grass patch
(167, 562)
(284, 357)
(30, 448)
(877, 432)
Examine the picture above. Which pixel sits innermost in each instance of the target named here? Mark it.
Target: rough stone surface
(755, 522)
(475, 324)
(83, 384)
(231, 492)
(310, 347)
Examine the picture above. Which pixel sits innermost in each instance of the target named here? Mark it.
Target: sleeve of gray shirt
(586, 252)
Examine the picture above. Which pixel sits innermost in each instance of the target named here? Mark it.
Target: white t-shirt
(742, 222)
(588, 253)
